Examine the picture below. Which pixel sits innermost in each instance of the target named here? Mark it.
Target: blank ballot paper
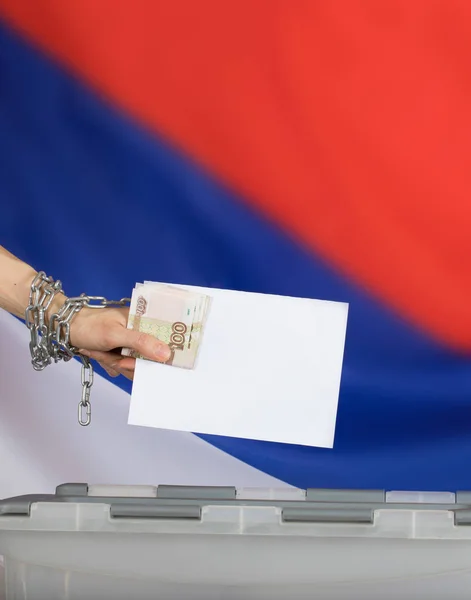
(269, 368)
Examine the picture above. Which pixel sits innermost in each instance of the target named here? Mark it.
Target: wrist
(22, 290)
(15, 285)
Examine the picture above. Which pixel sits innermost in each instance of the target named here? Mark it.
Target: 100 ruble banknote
(174, 316)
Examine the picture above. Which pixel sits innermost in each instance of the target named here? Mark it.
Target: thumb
(146, 345)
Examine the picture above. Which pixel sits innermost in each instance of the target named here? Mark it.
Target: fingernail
(85, 353)
(162, 351)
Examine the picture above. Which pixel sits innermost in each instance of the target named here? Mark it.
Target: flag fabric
(302, 148)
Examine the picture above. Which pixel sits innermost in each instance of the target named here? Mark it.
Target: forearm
(15, 284)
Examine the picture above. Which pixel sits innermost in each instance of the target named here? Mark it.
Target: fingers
(146, 345)
(113, 364)
(111, 372)
(128, 373)
(128, 363)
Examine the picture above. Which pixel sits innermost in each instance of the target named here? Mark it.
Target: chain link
(84, 407)
(51, 341)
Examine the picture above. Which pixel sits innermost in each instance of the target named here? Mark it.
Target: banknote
(201, 312)
(174, 316)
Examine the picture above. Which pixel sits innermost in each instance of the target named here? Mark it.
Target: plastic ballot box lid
(207, 543)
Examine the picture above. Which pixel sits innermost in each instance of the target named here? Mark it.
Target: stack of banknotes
(174, 315)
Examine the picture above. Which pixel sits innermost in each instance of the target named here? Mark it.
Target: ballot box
(188, 543)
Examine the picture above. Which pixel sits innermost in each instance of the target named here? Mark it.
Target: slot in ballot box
(208, 543)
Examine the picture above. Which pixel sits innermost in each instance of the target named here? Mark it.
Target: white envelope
(269, 368)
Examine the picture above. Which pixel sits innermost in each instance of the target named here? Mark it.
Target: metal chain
(84, 407)
(51, 341)
(43, 291)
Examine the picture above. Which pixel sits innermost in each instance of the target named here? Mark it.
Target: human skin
(97, 333)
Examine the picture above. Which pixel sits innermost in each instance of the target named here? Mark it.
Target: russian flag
(310, 148)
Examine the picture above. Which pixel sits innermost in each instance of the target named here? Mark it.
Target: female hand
(101, 333)
(98, 333)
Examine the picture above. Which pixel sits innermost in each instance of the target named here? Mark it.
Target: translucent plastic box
(185, 543)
